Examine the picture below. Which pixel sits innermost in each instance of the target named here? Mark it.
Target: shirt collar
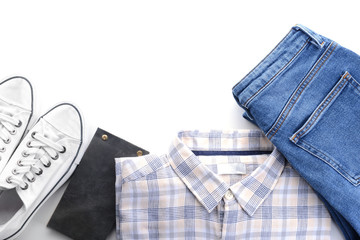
(206, 185)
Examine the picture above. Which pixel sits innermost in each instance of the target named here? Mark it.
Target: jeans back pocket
(332, 132)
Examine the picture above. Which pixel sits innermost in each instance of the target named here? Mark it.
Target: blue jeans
(305, 96)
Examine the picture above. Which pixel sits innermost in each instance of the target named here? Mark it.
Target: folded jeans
(305, 96)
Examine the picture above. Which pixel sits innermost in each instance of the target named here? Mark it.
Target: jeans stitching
(323, 106)
(263, 59)
(356, 87)
(330, 162)
(356, 82)
(315, 37)
(278, 72)
(296, 96)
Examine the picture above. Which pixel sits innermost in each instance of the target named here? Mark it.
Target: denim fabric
(305, 96)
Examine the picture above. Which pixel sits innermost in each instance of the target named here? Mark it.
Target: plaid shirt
(216, 185)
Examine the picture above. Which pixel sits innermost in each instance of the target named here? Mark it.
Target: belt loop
(316, 38)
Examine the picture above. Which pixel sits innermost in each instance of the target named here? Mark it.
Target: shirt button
(229, 195)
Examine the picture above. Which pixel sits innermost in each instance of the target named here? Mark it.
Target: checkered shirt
(216, 185)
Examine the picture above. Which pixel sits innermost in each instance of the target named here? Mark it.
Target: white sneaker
(44, 160)
(16, 107)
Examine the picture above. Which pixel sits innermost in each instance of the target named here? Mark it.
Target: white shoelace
(39, 149)
(8, 125)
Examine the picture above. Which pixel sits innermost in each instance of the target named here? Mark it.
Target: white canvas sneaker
(43, 161)
(16, 107)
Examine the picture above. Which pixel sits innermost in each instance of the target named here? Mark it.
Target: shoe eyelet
(13, 132)
(19, 124)
(31, 180)
(56, 157)
(14, 172)
(24, 154)
(26, 187)
(64, 150)
(28, 144)
(40, 172)
(3, 149)
(8, 180)
(47, 165)
(19, 163)
(7, 141)
(33, 134)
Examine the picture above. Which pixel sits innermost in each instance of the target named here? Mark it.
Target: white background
(145, 69)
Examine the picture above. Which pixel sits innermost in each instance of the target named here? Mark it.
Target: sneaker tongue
(29, 195)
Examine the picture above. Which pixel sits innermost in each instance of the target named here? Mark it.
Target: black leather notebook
(87, 208)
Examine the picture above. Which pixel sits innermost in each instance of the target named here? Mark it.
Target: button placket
(231, 208)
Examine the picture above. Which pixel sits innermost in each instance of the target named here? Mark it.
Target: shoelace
(8, 125)
(39, 149)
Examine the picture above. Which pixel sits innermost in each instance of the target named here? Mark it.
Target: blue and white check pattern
(184, 195)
